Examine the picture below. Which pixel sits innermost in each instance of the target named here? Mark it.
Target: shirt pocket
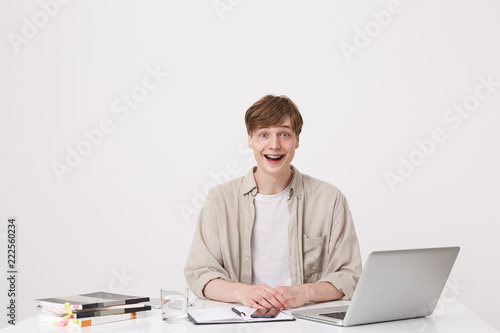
(313, 255)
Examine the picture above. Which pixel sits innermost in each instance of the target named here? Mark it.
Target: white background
(123, 218)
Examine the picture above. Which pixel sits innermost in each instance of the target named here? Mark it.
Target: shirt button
(246, 258)
(246, 231)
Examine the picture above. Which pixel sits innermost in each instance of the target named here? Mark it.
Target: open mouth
(274, 158)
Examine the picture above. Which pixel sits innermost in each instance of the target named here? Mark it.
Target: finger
(255, 305)
(281, 298)
(265, 300)
(274, 299)
(268, 297)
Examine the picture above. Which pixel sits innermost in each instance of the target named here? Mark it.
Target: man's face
(274, 147)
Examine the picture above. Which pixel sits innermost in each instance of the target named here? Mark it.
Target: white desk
(453, 317)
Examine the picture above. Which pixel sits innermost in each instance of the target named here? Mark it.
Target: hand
(295, 296)
(260, 297)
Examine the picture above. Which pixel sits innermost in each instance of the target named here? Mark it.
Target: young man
(274, 238)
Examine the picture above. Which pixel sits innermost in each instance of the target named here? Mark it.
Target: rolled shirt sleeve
(343, 267)
(205, 261)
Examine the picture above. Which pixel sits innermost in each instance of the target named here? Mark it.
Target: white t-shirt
(270, 248)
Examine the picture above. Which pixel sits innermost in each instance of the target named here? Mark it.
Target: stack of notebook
(91, 309)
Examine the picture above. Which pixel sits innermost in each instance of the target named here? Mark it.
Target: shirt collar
(250, 186)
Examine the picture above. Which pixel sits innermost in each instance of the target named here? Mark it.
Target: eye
(285, 134)
(263, 135)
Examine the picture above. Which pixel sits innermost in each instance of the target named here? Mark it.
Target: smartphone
(265, 313)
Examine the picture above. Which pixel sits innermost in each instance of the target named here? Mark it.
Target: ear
(250, 141)
(297, 143)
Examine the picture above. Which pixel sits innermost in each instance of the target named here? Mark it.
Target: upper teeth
(274, 156)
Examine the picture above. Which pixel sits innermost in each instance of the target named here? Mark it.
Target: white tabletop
(452, 317)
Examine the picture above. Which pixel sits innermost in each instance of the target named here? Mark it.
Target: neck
(272, 184)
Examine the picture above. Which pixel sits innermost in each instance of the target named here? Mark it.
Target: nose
(274, 143)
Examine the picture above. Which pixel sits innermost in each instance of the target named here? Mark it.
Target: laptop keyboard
(336, 315)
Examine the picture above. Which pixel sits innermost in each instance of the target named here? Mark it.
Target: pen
(239, 313)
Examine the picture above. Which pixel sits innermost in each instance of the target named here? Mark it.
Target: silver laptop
(394, 285)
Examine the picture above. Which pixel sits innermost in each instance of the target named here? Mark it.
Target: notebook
(222, 315)
(394, 285)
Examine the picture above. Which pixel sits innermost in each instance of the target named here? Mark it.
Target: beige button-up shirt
(323, 242)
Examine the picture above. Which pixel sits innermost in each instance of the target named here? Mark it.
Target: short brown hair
(271, 110)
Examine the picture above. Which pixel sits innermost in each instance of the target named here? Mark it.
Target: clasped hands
(265, 297)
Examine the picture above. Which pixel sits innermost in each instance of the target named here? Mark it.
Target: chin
(276, 168)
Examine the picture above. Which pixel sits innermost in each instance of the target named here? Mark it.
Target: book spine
(90, 321)
(104, 319)
(82, 315)
(59, 305)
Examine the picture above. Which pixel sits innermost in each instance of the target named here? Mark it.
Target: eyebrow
(280, 126)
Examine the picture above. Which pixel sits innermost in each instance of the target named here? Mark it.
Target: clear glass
(174, 304)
